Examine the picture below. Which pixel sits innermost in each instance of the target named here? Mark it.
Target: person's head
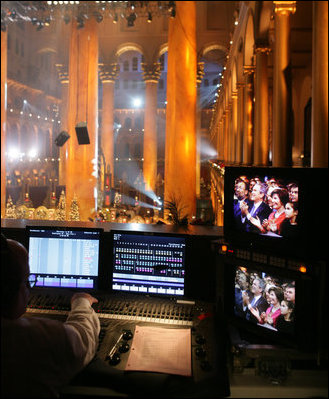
(14, 278)
(258, 192)
(287, 308)
(279, 198)
(291, 210)
(293, 192)
(241, 189)
(258, 286)
(275, 295)
(289, 293)
(242, 280)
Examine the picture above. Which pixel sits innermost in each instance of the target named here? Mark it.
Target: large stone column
(108, 74)
(151, 75)
(200, 74)
(234, 125)
(3, 119)
(261, 135)
(64, 79)
(281, 81)
(83, 107)
(319, 148)
(180, 172)
(239, 137)
(248, 128)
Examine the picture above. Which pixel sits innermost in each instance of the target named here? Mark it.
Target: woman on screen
(279, 199)
(285, 322)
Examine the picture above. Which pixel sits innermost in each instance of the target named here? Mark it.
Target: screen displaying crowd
(266, 206)
(264, 299)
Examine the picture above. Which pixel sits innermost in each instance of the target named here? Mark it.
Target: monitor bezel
(311, 245)
(98, 280)
(305, 336)
(159, 234)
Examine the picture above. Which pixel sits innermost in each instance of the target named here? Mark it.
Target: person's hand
(245, 298)
(90, 298)
(265, 223)
(244, 207)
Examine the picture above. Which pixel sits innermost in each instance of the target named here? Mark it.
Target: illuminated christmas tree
(10, 209)
(61, 207)
(74, 209)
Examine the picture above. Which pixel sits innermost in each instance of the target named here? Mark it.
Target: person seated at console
(39, 356)
(255, 214)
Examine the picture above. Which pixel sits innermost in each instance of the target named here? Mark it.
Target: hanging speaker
(62, 138)
(82, 133)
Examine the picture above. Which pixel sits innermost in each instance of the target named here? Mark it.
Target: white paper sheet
(163, 350)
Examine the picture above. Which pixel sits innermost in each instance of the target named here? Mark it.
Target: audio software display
(264, 299)
(67, 258)
(150, 264)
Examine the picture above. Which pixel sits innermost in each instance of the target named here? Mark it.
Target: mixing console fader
(119, 315)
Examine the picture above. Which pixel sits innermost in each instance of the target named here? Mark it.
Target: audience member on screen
(241, 191)
(241, 288)
(255, 214)
(289, 227)
(257, 304)
(279, 199)
(269, 317)
(293, 192)
(289, 293)
(285, 322)
(38, 355)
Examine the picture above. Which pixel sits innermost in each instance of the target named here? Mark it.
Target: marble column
(234, 129)
(281, 81)
(319, 146)
(200, 74)
(81, 178)
(261, 134)
(64, 79)
(108, 74)
(151, 75)
(180, 174)
(239, 137)
(227, 114)
(248, 125)
(3, 119)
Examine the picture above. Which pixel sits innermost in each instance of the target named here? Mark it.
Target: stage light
(149, 18)
(33, 153)
(137, 102)
(115, 18)
(14, 153)
(131, 20)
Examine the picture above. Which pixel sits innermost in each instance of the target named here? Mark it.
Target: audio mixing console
(119, 314)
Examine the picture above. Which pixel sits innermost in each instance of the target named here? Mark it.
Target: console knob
(127, 335)
(115, 359)
(124, 347)
(200, 352)
(200, 339)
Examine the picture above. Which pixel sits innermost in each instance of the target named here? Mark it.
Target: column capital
(151, 71)
(63, 74)
(234, 94)
(248, 69)
(199, 72)
(262, 48)
(284, 7)
(108, 72)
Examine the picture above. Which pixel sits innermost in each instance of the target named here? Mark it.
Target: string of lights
(42, 13)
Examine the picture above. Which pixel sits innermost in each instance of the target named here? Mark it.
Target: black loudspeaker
(82, 133)
(62, 138)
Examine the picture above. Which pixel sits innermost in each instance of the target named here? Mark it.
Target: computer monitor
(64, 257)
(148, 263)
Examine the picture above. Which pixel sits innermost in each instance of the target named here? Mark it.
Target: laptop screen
(64, 257)
(148, 263)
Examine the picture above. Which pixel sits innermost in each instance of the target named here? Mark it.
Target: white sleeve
(82, 327)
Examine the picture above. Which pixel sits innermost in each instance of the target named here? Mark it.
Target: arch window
(162, 62)
(126, 65)
(215, 82)
(127, 123)
(206, 83)
(117, 84)
(135, 64)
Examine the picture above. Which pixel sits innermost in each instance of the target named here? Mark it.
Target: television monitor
(270, 305)
(281, 210)
(64, 257)
(148, 263)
